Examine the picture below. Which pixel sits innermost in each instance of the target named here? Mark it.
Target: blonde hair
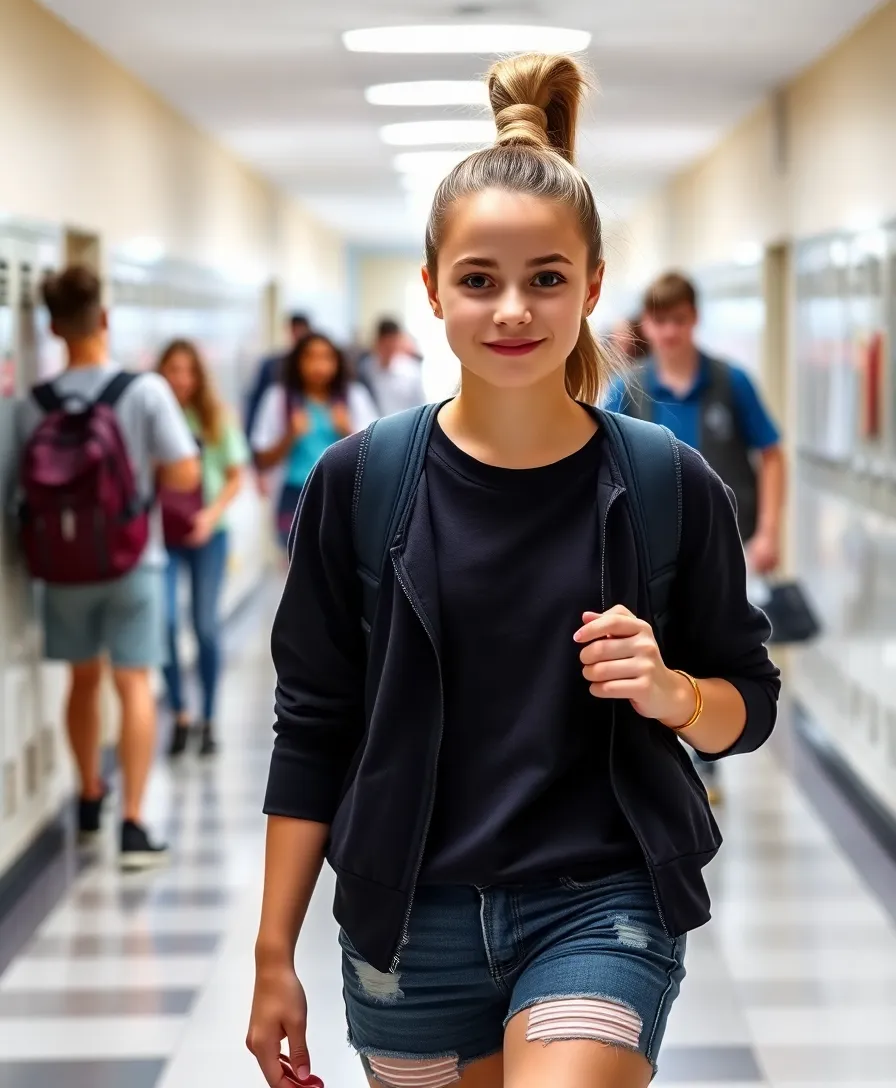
(205, 401)
(535, 99)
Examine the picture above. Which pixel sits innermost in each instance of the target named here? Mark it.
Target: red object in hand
(309, 1082)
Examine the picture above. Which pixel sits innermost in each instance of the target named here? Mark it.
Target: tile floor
(145, 981)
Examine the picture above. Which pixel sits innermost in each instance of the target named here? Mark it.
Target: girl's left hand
(203, 527)
(622, 661)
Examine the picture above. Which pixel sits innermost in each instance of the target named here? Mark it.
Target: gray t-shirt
(151, 423)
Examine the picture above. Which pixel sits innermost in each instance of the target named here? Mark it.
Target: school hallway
(145, 981)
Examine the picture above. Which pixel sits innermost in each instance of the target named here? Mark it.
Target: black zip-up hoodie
(358, 728)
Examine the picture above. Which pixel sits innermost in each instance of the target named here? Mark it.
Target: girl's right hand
(279, 1010)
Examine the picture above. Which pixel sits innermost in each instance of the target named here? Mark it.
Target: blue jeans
(587, 960)
(206, 566)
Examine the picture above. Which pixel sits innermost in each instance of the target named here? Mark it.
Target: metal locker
(29, 789)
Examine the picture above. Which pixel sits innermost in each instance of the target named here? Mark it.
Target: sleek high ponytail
(535, 99)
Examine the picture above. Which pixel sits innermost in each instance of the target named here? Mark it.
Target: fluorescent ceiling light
(432, 92)
(475, 39)
(415, 133)
(429, 163)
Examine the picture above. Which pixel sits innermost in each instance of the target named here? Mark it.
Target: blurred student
(391, 372)
(196, 535)
(93, 441)
(268, 372)
(713, 407)
(311, 407)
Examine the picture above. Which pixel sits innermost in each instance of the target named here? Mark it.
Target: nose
(512, 309)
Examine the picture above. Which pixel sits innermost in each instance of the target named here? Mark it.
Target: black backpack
(391, 459)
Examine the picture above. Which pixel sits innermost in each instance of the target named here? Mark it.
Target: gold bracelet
(695, 717)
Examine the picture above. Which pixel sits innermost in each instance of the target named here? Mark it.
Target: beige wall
(840, 166)
(87, 145)
(381, 289)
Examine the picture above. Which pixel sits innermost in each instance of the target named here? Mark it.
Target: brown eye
(476, 281)
(554, 279)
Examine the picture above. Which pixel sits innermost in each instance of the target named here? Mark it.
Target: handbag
(179, 510)
(791, 614)
(291, 1078)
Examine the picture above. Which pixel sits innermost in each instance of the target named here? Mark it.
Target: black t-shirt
(523, 787)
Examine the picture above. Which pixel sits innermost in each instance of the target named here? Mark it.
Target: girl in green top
(203, 548)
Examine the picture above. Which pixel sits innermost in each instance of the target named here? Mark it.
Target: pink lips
(513, 347)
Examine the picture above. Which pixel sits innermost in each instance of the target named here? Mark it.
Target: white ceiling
(272, 80)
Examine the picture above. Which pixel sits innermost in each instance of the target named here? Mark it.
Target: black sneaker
(208, 746)
(137, 851)
(90, 815)
(180, 735)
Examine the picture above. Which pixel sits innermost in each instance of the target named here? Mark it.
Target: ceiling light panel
(476, 39)
(420, 133)
(433, 92)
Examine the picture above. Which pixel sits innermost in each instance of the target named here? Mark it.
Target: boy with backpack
(93, 443)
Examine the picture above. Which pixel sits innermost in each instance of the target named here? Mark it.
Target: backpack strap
(46, 398)
(114, 388)
(650, 462)
(390, 461)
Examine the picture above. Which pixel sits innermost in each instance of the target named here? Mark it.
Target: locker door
(8, 749)
(27, 749)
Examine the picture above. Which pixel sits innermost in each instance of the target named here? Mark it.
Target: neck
(88, 352)
(516, 428)
(679, 367)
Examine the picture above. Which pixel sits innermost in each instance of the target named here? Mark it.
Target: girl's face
(513, 286)
(318, 366)
(180, 373)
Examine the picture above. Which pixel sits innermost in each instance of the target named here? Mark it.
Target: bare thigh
(485, 1074)
(569, 1064)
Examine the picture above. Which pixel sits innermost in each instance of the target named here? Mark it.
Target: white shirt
(269, 428)
(397, 386)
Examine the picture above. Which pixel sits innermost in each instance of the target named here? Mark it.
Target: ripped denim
(579, 960)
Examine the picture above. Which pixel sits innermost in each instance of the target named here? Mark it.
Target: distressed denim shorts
(581, 960)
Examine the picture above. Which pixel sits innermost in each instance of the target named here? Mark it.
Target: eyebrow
(536, 262)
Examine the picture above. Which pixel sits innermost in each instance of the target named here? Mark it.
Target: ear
(432, 291)
(594, 287)
(104, 321)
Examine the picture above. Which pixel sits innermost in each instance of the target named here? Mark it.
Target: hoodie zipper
(418, 612)
(617, 491)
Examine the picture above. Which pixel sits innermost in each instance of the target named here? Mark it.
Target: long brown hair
(205, 400)
(535, 99)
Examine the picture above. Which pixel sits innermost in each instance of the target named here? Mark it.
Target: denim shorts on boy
(475, 958)
(124, 618)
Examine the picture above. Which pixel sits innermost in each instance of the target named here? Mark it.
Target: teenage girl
(203, 552)
(497, 778)
(310, 408)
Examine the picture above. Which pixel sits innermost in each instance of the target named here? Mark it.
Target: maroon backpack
(83, 520)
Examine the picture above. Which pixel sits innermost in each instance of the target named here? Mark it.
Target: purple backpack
(82, 517)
